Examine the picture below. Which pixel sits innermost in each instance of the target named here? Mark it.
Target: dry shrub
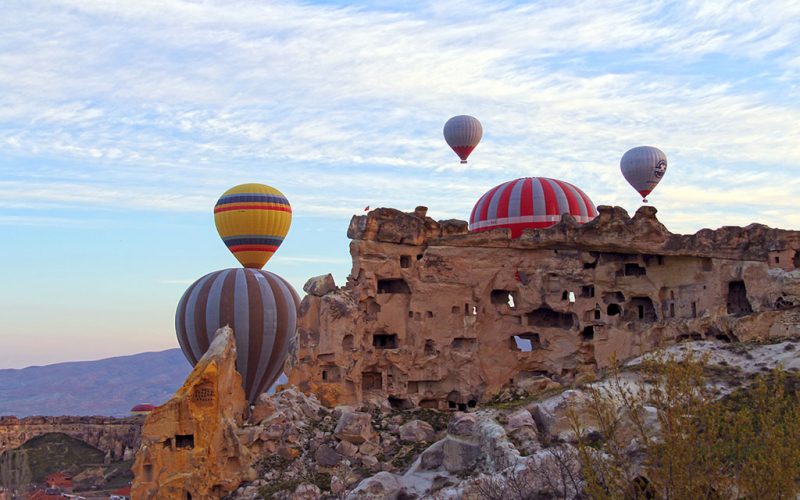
(701, 446)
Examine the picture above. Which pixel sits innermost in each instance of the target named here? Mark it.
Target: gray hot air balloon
(260, 306)
(643, 168)
(463, 133)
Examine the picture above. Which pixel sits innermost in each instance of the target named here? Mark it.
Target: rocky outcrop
(118, 437)
(521, 448)
(433, 316)
(190, 444)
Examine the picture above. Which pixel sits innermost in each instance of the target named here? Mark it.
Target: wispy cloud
(160, 105)
(40, 221)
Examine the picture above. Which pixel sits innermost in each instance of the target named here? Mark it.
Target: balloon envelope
(252, 220)
(463, 133)
(530, 202)
(260, 307)
(643, 167)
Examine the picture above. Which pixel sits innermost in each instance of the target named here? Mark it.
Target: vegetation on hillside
(687, 439)
(43, 455)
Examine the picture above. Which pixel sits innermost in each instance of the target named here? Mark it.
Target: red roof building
(142, 409)
(60, 481)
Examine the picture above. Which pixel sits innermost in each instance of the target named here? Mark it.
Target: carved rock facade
(190, 444)
(118, 437)
(436, 317)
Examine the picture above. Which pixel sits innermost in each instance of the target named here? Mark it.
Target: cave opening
(633, 269)
(184, 441)
(393, 285)
(384, 340)
(737, 303)
(545, 317)
(644, 309)
(526, 342)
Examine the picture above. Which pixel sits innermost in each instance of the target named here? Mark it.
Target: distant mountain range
(109, 387)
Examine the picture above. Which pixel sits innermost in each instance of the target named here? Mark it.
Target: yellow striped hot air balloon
(252, 220)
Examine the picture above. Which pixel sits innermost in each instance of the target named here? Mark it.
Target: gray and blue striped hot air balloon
(260, 307)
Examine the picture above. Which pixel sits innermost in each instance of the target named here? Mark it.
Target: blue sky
(121, 124)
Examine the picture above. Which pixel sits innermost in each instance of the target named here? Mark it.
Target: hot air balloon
(260, 307)
(252, 220)
(643, 167)
(530, 202)
(463, 133)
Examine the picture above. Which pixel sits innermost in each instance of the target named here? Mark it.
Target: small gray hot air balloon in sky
(463, 133)
(643, 167)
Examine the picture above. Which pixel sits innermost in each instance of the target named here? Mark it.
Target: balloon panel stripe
(515, 199)
(570, 203)
(268, 326)
(277, 346)
(250, 240)
(180, 324)
(212, 305)
(257, 238)
(253, 248)
(191, 316)
(550, 201)
(200, 317)
(537, 196)
(495, 201)
(248, 197)
(291, 326)
(242, 206)
(280, 341)
(504, 198)
(241, 318)
(484, 211)
(227, 305)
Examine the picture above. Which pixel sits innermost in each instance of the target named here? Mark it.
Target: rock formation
(116, 436)
(434, 316)
(522, 448)
(501, 330)
(190, 447)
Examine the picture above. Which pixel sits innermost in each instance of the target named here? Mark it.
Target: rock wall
(116, 436)
(436, 317)
(190, 447)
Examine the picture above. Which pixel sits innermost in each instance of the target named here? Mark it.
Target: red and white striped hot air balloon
(463, 133)
(530, 202)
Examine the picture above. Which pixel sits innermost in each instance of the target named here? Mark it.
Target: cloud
(161, 105)
(40, 221)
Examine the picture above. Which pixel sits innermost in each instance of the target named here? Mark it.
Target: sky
(121, 123)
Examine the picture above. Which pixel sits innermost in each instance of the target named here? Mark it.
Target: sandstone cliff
(118, 437)
(190, 448)
(434, 316)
